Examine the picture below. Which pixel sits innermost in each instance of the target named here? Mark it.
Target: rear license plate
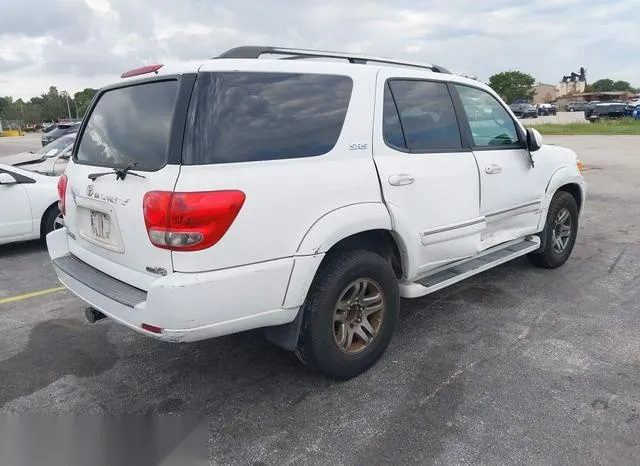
(100, 225)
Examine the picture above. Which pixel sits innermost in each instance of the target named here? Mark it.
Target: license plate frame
(100, 226)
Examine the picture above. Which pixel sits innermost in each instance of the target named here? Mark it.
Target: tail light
(62, 192)
(190, 221)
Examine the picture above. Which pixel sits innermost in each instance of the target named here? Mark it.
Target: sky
(73, 44)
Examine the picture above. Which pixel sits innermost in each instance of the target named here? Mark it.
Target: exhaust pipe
(93, 315)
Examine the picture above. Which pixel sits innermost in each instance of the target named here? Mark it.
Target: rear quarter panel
(285, 198)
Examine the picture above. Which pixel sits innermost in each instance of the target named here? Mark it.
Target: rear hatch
(129, 145)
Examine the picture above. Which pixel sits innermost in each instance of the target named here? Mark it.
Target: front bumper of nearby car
(181, 307)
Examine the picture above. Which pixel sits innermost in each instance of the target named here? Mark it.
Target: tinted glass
(244, 117)
(130, 125)
(490, 123)
(427, 116)
(391, 129)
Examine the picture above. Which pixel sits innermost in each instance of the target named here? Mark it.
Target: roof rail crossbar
(253, 51)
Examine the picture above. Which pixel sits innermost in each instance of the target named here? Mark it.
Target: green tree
(603, 85)
(513, 85)
(5, 105)
(622, 86)
(82, 100)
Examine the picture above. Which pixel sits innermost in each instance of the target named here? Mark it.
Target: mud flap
(285, 336)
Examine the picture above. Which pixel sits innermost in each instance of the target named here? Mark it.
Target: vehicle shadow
(27, 248)
(259, 402)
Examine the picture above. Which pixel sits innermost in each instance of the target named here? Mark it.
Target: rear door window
(253, 116)
(426, 116)
(130, 126)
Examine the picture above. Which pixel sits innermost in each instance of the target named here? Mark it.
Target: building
(544, 93)
(571, 87)
(574, 83)
(621, 96)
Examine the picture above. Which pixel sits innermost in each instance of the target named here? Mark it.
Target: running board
(453, 273)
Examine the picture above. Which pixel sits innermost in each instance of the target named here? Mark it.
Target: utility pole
(66, 94)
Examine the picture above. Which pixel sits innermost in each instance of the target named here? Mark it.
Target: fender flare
(322, 235)
(341, 223)
(563, 176)
(325, 233)
(567, 174)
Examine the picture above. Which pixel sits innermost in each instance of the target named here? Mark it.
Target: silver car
(52, 159)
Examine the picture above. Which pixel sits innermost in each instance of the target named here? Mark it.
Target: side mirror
(7, 178)
(534, 139)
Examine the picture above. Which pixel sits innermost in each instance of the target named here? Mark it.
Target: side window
(391, 127)
(490, 123)
(254, 116)
(427, 117)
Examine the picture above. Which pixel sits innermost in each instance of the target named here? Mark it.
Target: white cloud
(90, 42)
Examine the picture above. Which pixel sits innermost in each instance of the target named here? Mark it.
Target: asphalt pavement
(515, 366)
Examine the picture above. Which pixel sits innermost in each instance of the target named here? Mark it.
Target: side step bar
(453, 273)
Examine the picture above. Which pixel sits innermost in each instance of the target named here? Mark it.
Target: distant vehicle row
(526, 110)
(53, 132)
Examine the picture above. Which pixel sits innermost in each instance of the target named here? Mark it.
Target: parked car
(217, 198)
(547, 109)
(60, 130)
(28, 205)
(576, 106)
(630, 108)
(49, 160)
(524, 110)
(605, 111)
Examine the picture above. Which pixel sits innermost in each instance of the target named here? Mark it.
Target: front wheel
(559, 236)
(349, 315)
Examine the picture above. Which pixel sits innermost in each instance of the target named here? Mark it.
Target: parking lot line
(33, 294)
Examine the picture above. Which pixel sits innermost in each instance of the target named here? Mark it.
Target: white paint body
(259, 274)
(23, 205)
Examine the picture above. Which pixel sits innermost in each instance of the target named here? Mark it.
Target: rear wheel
(349, 315)
(561, 230)
(51, 220)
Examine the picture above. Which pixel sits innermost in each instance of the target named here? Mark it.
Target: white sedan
(28, 204)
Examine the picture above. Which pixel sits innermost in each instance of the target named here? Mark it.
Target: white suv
(301, 196)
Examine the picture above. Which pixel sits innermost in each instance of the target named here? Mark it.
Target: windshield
(56, 147)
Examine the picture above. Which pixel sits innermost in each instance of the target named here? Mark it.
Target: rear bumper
(187, 307)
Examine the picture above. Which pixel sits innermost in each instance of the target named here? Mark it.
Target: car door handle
(493, 169)
(401, 179)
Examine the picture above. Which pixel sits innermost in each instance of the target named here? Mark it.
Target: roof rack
(255, 51)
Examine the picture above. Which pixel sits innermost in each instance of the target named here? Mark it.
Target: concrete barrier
(11, 133)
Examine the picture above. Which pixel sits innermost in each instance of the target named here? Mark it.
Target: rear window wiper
(121, 173)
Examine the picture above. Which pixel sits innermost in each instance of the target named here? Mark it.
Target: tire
(552, 256)
(50, 221)
(324, 344)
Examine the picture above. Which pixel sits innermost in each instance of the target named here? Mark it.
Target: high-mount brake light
(142, 70)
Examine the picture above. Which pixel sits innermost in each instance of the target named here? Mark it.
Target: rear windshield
(130, 126)
(252, 116)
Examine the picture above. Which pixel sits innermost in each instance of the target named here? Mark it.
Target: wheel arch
(360, 226)
(568, 179)
(52, 206)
